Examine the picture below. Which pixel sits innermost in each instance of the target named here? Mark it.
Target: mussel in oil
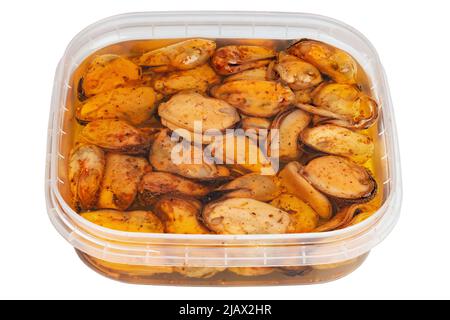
(86, 169)
(303, 217)
(334, 62)
(183, 55)
(249, 138)
(339, 141)
(107, 72)
(155, 184)
(185, 110)
(198, 79)
(253, 185)
(293, 181)
(343, 105)
(121, 179)
(169, 155)
(257, 98)
(131, 221)
(180, 215)
(117, 136)
(233, 59)
(244, 216)
(290, 124)
(296, 73)
(242, 152)
(340, 178)
(132, 104)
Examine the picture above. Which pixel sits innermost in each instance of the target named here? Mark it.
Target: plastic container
(151, 258)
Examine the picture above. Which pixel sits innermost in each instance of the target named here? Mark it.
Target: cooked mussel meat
(293, 181)
(131, 221)
(107, 72)
(155, 184)
(244, 216)
(343, 105)
(170, 156)
(339, 141)
(303, 217)
(334, 62)
(253, 185)
(132, 104)
(257, 98)
(198, 79)
(296, 73)
(86, 169)
(340, 178)
(117, 136)
(183, 55)
(240, 151)
(180, 215)
(290, 124)
(121, 179)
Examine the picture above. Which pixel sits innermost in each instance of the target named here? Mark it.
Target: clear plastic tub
(281, 258)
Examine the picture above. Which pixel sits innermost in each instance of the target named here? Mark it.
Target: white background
(412, 38)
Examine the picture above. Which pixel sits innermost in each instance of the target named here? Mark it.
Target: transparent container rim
(86, 228)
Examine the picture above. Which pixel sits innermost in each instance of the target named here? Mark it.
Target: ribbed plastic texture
(222, 250)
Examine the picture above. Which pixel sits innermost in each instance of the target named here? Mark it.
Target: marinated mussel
(257, 98)
(183, 55)
(169, 156)
(198, 79)
(256, 128)
(340, 178)
(117, 136)
(343, 105)
(303, 217)
(198, 272)
(244, 216)
(296, 73)
(293, 181)
(185, 110)
(342, 217)
(334, 62)
(121, 179)
(253, 185)
(361, 212)
(107, 72)
(249, 138)
(86, 169)
(233, 59)
(131, 221)
(339, 141)
(155, 184)
(348, 216)
(180, 215)
(290, 124)
(132, 104)
(255, 123)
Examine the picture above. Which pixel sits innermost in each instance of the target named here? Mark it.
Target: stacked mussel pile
(121, 169)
